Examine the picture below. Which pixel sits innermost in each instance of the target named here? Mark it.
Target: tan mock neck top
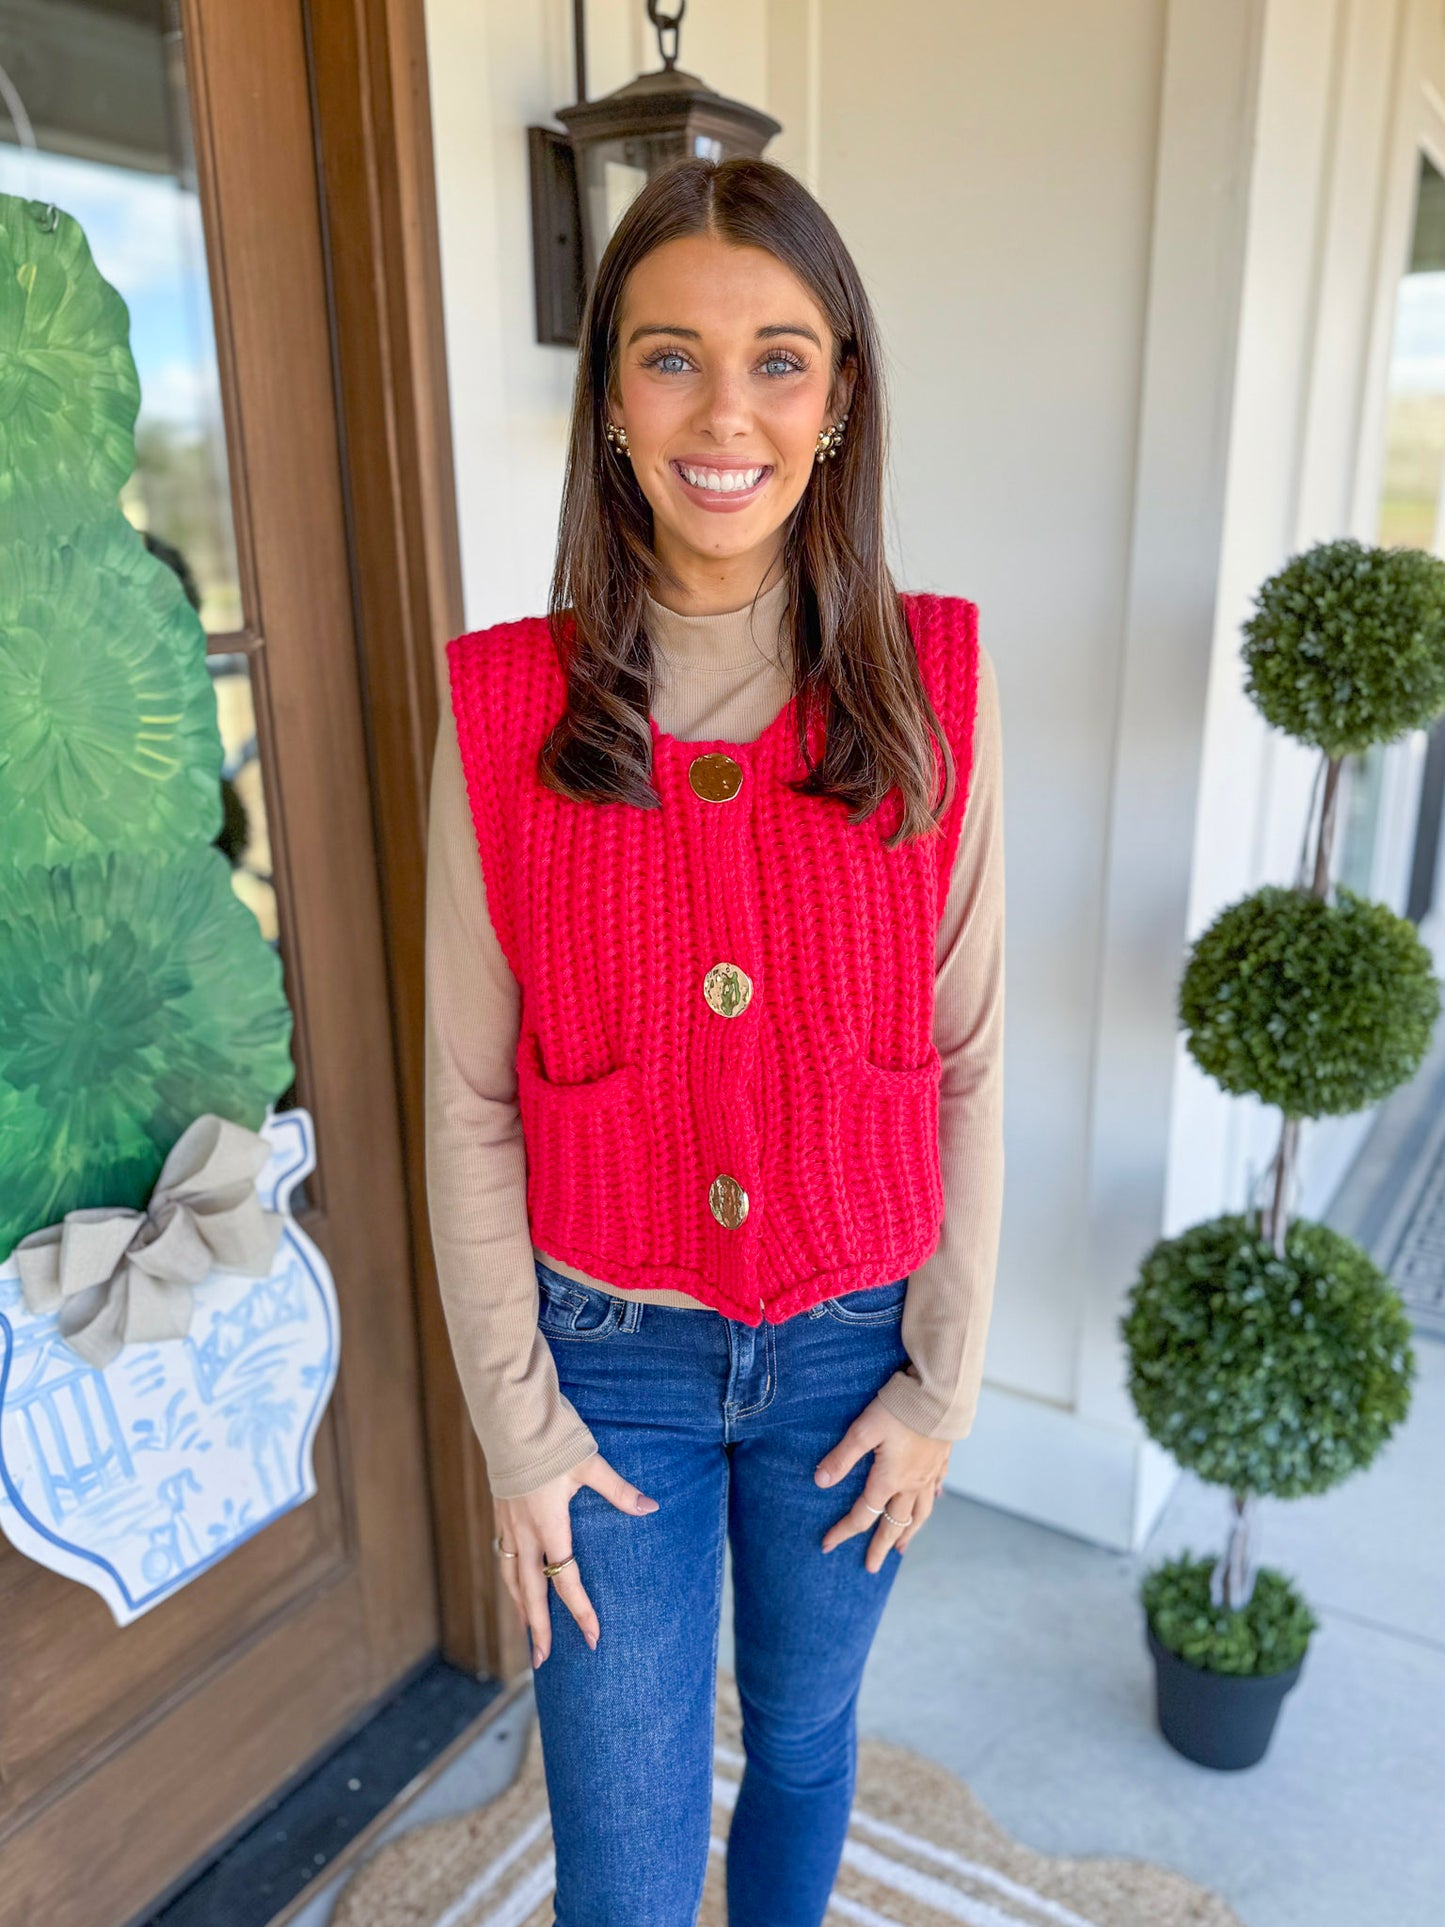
(720, 677)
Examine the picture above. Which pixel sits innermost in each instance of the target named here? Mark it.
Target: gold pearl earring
(617, 436)
(830, 440)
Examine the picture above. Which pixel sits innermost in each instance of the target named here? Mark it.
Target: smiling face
(724, 378)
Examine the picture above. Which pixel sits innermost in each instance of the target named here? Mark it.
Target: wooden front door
(182, 138)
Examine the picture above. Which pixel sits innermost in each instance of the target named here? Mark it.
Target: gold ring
(497, 1542)
(552, 1570)
(898, 1522)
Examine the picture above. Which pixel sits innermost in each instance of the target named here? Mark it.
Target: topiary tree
(136, 989)
(1272, 1356)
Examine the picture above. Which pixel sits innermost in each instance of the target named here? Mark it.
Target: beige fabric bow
(124, 1277)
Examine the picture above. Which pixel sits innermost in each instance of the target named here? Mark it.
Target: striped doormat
(921, 1852)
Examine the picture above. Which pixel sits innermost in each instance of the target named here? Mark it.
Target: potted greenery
(1269, 1354)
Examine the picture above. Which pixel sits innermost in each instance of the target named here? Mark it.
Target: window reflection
(1415, 447)
(244, 837)
(101, 89)
(1412, 496)
(1355, 862)
(95, 118)
(1409, 513)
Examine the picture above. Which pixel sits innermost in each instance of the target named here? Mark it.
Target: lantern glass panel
(614, 172)
(612, 182)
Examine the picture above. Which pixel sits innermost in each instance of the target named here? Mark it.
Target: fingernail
(823, 1478)
(646, 1505)
(592, 1640)
(537, 1659)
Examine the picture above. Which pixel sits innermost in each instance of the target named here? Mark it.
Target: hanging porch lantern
(583, 181)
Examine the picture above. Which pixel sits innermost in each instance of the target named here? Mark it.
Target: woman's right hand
(538, 1527)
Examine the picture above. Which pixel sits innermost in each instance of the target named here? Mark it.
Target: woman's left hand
(906, 1476)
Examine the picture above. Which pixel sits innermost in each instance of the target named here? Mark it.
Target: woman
(714, 1054)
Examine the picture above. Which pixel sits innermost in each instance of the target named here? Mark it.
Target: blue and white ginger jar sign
(134, 1478)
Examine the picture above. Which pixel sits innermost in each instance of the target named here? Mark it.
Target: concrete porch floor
(1014, 1654)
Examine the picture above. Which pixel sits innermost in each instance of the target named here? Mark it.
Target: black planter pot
(1223, 1720)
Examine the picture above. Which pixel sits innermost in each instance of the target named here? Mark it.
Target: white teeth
(723, 481)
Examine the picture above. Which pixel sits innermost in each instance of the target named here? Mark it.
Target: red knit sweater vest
(726, 1072)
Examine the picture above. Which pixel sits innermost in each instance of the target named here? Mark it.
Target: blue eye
(775, 365)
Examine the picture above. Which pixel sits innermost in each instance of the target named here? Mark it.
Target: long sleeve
(950, 1296)
(476, 1163)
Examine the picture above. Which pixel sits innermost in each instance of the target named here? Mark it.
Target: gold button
(729, 1201)
(716, 778)
(727, 989)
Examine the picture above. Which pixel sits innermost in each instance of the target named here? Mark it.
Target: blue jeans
(722, 1423)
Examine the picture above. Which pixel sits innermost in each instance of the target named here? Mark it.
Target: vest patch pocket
(589, 1178)
(891, 1178)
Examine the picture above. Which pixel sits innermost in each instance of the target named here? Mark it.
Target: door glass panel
(100, 88)
(95, 118)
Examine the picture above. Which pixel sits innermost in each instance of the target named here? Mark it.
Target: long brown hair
(852, 652)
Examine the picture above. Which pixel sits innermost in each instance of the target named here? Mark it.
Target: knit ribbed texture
(820, 1097)
(720, 675)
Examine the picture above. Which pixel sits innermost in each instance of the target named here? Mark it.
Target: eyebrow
(692, 334)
